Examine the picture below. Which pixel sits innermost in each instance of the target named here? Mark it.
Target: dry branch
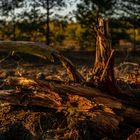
(26, 98)
(48, 95)
(43, 51)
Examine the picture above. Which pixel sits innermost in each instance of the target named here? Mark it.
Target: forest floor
(35, 123)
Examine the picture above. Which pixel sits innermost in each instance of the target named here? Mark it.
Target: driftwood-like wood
(106, 113)
(102, 72)
(26, 98)
(41, 97)
(71, 70)
(43, 51)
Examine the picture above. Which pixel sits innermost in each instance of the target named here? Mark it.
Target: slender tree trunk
(14, 26)
(14, 31)
(34, 23)
(134, 28)
(48, 27)
(134, 38)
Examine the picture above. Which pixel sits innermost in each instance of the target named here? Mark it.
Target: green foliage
(87, 14)
(87, 40)
(122, 15)
(58, 28)
(89, 10)
(34, 24)
(8, 11)
(49, 6)
(130, 8)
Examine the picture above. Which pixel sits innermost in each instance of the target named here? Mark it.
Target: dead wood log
(26, 98)
(127, 108)
(99, 121)
(71, 70)
(104, 113)
(77, 89)
(43, 51)
(47, 94)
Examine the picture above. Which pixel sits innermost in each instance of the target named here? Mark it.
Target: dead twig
(106, 66)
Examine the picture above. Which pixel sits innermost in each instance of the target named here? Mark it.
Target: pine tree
(8, 9)
(131, 12)
(88, 12)
(49, 6)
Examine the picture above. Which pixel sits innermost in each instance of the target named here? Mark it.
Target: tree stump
(102, 72)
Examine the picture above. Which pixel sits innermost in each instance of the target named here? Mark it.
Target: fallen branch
(106, 66)
(49, 95)
(102, 113)
(26, 98)
(43, 51)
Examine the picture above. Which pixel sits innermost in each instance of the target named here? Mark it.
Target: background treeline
(46, 21)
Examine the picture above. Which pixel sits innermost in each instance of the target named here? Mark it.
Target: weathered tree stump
(102, 72)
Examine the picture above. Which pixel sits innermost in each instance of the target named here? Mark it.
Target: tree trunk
(134, 38)
(48, 27)
(14, 26)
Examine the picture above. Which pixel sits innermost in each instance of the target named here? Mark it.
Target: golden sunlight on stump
(102, 72)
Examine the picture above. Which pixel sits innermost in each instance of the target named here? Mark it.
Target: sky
(64, 11)
(69, 9)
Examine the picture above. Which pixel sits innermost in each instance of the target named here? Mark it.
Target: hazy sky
(69, 8)
(64, 12)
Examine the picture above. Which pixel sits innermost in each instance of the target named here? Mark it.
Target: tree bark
(49, 95)
(102, 73)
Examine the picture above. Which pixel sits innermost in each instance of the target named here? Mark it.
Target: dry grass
(77, 117)
(128, 75)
